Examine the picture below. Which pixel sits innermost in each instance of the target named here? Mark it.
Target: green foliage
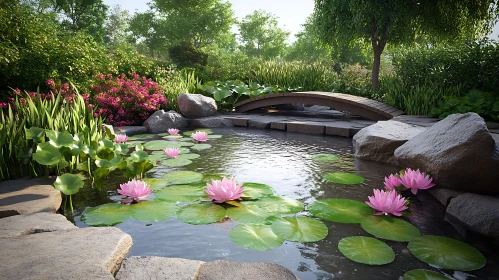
(482, 103)
(175, 82)
(185, 55)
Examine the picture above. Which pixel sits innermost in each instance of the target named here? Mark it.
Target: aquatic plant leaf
(340, 210)
(200, 147)
(153, 211)
(155, 183)
(176, 162)
(256, 190)
(366, 250)
(47, 154)
(200, 214)
(213, 136)
(121, 149)
(161, 145)
(170, 137)
(140, 137)
(255, 237)
(185, 144)
(277, 204)
(446, 253)
(34, 133)
(139, 156)
(325, 157)
(188, 156)
(106, 214)
(181, 193)
(68, 184)
(182, 177)
(423, 274)
(390, 228)
(60, 139)
(344, 178)
(300, 229)
(249, 214)
(157, 157)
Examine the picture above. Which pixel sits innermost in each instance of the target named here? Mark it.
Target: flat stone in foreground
(89, 253)
(227, 270)
(19, 225)
(26, 196)
(158, 268)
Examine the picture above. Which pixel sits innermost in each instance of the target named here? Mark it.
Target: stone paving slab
(20, 225)
(227, 270)
(88, 253)
(158, 268)
(25, 196)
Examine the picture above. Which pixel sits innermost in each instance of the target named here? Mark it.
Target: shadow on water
(283, 160)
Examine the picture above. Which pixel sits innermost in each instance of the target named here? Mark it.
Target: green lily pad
(157, 157)
(344, 178)
(140, 137)
(185, 144)
(255, 237)
(153, 211)
(366, 250)
(249, 214)
(213, 136)
(300, 229)
(277, 205)
(171, 137)
(155, 183)
(181, 193)
(341, 210)
(390, 228)
(106, 214)
(138, 156)
(190, 132)
(423, 274)
(200, 214)
(60, 139)
(47, 154)
(176, 162)
(182, 177)
(188, 156)
(34, 133)
(68, 184)
(326, 157)
(257, 190)
(134, 143)
(161, 145)
(200, 147)
(446, 253)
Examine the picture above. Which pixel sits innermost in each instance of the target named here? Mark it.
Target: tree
(308, 46)
(117, 25)
(261, 36)
(87, 15)
(381, 22)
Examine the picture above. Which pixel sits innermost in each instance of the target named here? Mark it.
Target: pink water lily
(200, 136)
(134, 189)
(224, 190)
(172, 152)
(173, 131)
(392, 182)
(415, 180)
(387, 202)
(120, 138)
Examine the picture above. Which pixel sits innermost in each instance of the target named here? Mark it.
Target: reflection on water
(283, 160)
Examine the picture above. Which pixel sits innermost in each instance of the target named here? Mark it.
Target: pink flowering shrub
(123, 101)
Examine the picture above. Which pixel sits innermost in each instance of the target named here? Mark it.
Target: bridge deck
(361, 106)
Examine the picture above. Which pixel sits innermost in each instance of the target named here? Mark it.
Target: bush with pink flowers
(126, 101)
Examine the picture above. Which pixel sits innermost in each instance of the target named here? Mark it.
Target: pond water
(283, 161)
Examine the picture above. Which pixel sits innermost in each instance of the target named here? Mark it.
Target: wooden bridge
(361, 106)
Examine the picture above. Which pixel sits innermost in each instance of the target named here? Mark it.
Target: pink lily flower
(134, 189)
(173, 131)
(120, 138)
(391, 182)
(416, 180)
(387, 202)
(200, 136)
(172, 152)
(224, 190)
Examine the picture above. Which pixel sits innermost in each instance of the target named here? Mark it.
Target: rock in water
(161, 121)
(196, 105)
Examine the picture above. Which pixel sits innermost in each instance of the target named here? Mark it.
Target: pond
(284, 161)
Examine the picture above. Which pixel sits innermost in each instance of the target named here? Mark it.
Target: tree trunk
(378, 47)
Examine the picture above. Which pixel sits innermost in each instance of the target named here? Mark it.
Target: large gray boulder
(379, 141)
(161, 121)
(227, 270)
(158, 268)
(458, 151)
(196, 105)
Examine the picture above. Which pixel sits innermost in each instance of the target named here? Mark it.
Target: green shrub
(175, 82)
(185, 55)
(482, 103)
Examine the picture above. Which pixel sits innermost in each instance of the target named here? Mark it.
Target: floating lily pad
(182, 177)
(176, 162)
(157, 157)
(423, 274)
(185, 144)
(344, 178)
(188, 156)
(153, 211)
(181, 193)
(213, 136)
(256, 190)
(340, 210)
(161, 145)
(300, 229)
(133, 143)
(390, 228)
(140, 137)
(277, 205)
(250, 214)
(255, 237)
(171, 137)
(446, 253)
(155, 183)
(190, 132)
(200, 147)
(366, 250)
(326, 157)
(68, 184)
(198, 214)
(106, 214)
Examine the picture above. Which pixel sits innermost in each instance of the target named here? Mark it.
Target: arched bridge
(361, 106)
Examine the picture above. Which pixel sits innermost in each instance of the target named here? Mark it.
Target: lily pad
(366, 250)
(423, 274)
(176, 162)
(199, 214)
(140, 137)
(250, 214)
(185, 144)
(446, 253)
(157, 157)
(155, 183)
(34, 133)
(344, 178)
(47, 154)
(106, 214)
(277, 205)
(255, 237)
(200, 147)
(213, 136)
(190, 132)
(390, 228)
(300, 229)
(341, 210)
(60, 139)
(182, 177)
(68, 184)
(171, 137)
(181, 193)
(326, 157)
(256, 190)
(153, 211)
(188, 156)
(161, 145)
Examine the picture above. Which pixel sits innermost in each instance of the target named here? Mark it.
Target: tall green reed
(176, 83)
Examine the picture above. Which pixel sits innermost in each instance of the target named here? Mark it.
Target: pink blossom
(121, 138)
(391, 182)
(416, 180)
(200, 136)
(134, 189)
(387, 202)
(224, 190)
(173, 131)
(172, 152)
